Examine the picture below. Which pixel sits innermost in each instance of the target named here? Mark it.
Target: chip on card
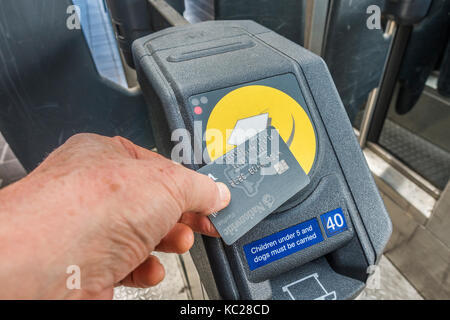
(261, 174)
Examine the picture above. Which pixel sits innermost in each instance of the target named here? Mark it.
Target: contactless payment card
(261, 174)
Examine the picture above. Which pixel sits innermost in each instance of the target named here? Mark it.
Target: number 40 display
(333, 222)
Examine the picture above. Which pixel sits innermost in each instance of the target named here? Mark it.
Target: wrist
(29, 269)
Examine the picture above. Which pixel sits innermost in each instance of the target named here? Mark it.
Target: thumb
(205, 196)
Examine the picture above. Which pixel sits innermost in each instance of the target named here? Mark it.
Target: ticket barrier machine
(325, 240)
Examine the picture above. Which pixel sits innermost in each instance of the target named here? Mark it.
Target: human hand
(102, 204)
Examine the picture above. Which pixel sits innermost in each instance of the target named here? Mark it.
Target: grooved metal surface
(425, 158)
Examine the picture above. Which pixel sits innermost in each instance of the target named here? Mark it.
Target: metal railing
(164, 16)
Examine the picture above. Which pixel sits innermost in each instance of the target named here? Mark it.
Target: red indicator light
(198, 110)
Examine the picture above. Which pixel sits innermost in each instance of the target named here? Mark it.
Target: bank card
(261, 174)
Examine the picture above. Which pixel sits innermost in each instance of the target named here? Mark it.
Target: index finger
(199, 224)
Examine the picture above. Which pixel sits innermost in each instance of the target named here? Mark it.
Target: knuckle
(80, 137)
(127, 145)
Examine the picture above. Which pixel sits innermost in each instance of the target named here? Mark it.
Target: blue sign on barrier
(282, 243)
(334, 222)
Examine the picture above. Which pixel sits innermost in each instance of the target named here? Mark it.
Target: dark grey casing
(175, 64)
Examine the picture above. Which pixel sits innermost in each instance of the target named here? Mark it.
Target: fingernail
(224, 193)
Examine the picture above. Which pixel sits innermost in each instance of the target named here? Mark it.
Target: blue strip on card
(282, 243)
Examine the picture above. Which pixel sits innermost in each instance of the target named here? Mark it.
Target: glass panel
(417, 128)
(286, 17)
(99, 34)
(354, 53)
